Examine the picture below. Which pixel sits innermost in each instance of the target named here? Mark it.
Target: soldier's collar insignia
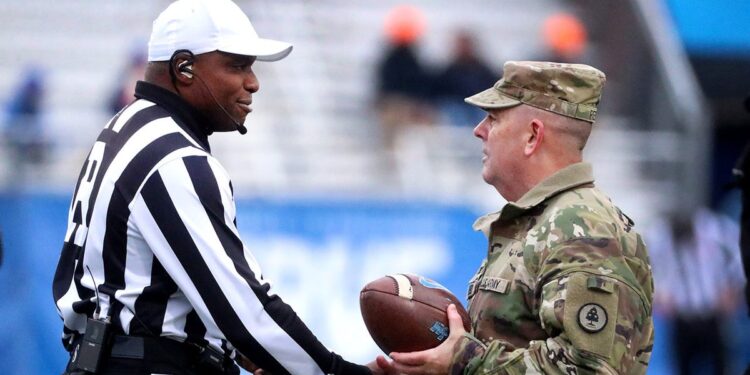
(592, 318)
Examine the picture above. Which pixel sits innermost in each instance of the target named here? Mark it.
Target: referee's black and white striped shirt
(153, 218)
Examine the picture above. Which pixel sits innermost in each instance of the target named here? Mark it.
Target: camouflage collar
(562, 180)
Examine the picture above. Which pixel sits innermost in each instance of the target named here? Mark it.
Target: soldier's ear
(534, 136)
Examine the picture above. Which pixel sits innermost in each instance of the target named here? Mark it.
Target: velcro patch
(494, 284)
(600, 284)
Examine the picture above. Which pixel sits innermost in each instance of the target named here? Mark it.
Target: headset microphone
(185, 68)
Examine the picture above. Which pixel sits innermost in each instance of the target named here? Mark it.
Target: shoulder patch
(587, 314)
(592, 317)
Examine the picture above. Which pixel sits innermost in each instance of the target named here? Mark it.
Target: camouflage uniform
(566, 287)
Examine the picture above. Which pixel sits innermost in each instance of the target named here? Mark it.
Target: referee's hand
(248, 365)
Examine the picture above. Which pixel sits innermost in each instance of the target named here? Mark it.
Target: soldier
(566, 287)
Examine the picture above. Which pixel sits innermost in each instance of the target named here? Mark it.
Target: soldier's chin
(487, 180)
(486, 175)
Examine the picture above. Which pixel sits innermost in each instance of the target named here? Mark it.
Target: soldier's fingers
(401, 368)
(455, 323)
(411, 359)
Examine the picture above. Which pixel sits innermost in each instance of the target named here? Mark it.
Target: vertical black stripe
(170, 224)
(74, 233)
(78, 181)
(207, 188)
(151, 305)
(195, 329)
(77, 216)
(115, 310)
(114, 249)
(91, 172)
(135, 123)
(65, 270)
(205, 185)
(83, 292)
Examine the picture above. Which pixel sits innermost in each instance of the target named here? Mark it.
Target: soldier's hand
(435, 361)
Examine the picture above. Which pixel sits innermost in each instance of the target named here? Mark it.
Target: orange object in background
(404, 24)
(565, 34)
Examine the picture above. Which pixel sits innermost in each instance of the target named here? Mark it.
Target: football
(406, 313)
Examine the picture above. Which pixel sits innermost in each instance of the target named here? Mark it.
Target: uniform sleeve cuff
(467, 354)
(343, 367)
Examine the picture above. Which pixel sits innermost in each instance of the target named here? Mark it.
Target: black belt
(162, 349)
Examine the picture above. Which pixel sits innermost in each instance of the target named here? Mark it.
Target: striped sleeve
(185, 212)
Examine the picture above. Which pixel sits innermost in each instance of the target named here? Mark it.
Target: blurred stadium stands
(313, 145)
(313, 131)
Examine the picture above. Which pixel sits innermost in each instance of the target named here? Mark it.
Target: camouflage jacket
(566, 287)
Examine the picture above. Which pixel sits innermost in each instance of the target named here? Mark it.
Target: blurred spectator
(24, 131)
(124, 90)
(698, 279)
(742, 174)
(403, 83)
(565, 37)
(464, 76)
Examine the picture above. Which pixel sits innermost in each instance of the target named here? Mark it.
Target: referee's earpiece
(186, 68)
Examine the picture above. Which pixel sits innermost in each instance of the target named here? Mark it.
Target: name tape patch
(494, 284)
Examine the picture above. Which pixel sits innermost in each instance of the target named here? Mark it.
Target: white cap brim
(262, 49)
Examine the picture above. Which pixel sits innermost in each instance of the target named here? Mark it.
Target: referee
(153, 276)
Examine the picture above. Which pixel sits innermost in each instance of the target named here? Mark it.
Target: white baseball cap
(209, 25)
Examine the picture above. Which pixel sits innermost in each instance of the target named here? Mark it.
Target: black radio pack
(88, 355)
